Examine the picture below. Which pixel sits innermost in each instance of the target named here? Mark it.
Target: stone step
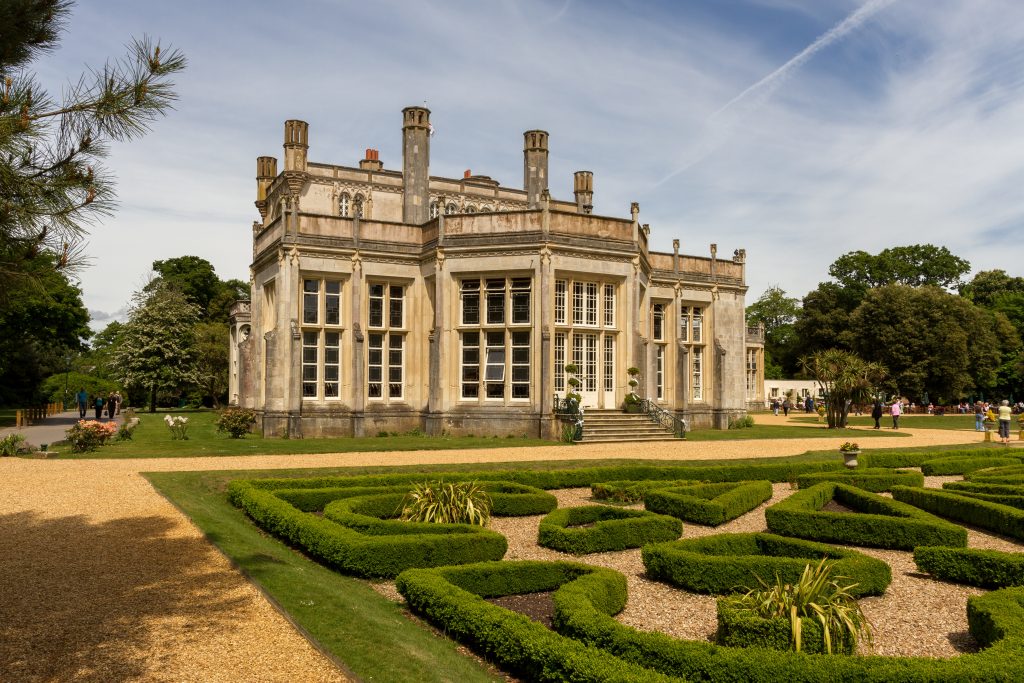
(633, 438)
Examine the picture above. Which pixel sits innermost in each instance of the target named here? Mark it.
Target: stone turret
(535, 165)
(296, 145)
(266, 171)
(416, 165)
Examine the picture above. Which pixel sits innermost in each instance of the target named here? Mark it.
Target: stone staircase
(607, 426)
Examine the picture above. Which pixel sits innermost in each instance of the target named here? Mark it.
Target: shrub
(1001, 519)
(236, 421)
(963, 465)
(88, 435)
(744, 422)
(875, 480)
(892, 459)
(127, 430)
(631, 491)
(972, 566)
(815, 597)
(463, 502)
(613, 529)
(881, 522)
(10, 444)
(726, 563)
(710, 504)
(1010, 474)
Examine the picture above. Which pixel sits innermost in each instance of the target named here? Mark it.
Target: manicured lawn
(785, 432)
(909, 421)
(152, 439)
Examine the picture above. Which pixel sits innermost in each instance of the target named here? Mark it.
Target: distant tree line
(941, 339)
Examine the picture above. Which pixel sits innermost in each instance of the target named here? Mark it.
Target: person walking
(775, 407)
(111, 405)
(979, 417)
(876, 413)
(98, 405)
(117, 402)
(896, 411)
(1005, 415)
(785, 408)
(83, 403)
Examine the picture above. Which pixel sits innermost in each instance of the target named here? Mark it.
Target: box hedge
(631, 491)
(588, 644)
(708, 504)
(740, 628)
(613, 529)
(880, 522)
(972, 566)
(365, 546)
(894, 459)
(1009, 474)
(874, 479)
(727, 563)
(963, 465)
(1001, 519)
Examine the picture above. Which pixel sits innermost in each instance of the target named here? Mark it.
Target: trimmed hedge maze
(708, 504)
(880, 522)
(612, 528)
(963, 465)
(739, 628)
(588, 645)
(728, 563)
(446, 571)
(1001, 519)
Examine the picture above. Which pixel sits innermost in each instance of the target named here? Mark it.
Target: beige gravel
(105, 580)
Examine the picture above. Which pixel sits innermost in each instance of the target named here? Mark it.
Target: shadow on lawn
(88, 601)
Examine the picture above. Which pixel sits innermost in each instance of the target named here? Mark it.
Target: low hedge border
(727, 563)
(588, 644)
(962, 465)
(363, 545)
(708, 504)
(882, 523)
(581, 477)
(740, 628)
(972, 566)
(1009, 474)
(613, 529)
(894, 459)
(1014, 501)
(631, 491)
(983, 487)
(1001, 519)
(874, 479)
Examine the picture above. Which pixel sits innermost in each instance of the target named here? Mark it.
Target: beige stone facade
(387, 300)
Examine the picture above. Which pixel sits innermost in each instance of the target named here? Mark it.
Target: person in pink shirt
(896, 411)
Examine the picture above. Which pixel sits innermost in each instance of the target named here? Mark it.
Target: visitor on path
(83, 403)
(896, 411)
(98, 405)
(775, 407)
(785, 408)
(979, 417)
(117, 402)
(1005, 415)
(876, 413)
(111, 405)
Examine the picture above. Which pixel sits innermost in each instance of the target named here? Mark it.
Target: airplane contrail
(764, 88)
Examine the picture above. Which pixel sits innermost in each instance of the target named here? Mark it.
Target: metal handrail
(664, 418)
(570, 411)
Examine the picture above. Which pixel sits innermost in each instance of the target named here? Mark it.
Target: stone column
(436, 339)
(544, 285)
(358, 349)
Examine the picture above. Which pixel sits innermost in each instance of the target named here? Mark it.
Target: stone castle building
(393, 300)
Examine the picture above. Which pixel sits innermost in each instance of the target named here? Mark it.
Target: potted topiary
(850, 452)
(632, 402)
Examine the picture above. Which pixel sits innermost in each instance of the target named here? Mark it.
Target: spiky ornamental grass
(460, 502)
(816, 595)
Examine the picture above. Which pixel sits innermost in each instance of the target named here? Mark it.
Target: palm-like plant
(462, 502)
(845, 377)
(816, 595)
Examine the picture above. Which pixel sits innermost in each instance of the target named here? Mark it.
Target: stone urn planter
(850, 458)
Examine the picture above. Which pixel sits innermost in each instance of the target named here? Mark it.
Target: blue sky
(796, 129)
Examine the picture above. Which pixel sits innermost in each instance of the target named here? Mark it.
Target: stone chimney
(583, 188)
(372, 161)
(416, 165)
(535, 166)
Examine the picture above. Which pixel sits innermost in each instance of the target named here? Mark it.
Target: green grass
(909, 421)
(783, 432)
(152, 439)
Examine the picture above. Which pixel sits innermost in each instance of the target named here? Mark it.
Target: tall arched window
(359, 206)
(433, 209)
(451, 210)
(343, 204)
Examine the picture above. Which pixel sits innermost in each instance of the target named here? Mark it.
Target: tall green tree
(196, 278)
(915, 265)
(778, 313)
(212, 340)
(156, 348)
(934, 343)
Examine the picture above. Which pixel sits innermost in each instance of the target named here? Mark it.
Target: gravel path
(105, 580)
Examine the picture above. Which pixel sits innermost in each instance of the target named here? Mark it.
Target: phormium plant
(460, 502)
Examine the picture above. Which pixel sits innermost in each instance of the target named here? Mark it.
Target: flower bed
(613, 529)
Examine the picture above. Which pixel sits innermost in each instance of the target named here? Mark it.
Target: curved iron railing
(664, 418)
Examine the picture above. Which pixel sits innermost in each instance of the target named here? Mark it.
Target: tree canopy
(915, 265)
(196, 278)
(778, 313)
